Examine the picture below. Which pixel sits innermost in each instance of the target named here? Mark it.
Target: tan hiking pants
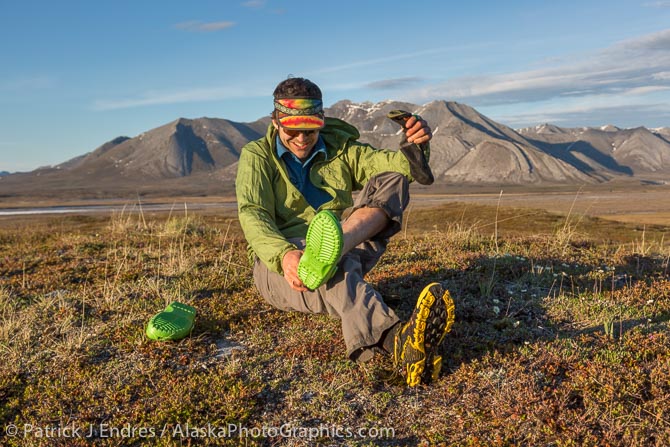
(364, 315)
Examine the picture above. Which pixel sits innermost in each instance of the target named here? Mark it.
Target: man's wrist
(282, 254)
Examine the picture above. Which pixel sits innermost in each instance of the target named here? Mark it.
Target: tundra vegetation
(561, 337)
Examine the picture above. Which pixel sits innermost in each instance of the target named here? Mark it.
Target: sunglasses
(295, 132)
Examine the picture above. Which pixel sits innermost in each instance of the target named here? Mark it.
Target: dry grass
(561, 338)
(648, 218)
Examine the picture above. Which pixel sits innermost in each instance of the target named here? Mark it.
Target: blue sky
(75, 74)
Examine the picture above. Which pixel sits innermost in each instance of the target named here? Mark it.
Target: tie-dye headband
(300, 113)
(299, 106)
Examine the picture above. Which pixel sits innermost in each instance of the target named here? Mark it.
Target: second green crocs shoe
(323, 248)
(173, 323)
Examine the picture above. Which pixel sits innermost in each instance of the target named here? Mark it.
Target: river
(108, 209)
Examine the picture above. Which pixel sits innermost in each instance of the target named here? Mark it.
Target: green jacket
(272, 210)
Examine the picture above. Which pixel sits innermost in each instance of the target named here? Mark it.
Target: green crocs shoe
(416, 343)
(174, 323)
(323, 249)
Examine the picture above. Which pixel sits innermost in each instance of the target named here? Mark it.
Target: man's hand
(418, 130)
(289, 264)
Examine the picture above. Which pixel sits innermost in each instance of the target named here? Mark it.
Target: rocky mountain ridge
(608, 149)
(467, 148)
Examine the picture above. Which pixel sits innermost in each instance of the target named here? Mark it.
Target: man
(312, 244)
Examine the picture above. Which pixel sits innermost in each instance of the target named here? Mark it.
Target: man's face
(300, 143)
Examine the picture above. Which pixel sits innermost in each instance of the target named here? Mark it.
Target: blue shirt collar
(320, 146)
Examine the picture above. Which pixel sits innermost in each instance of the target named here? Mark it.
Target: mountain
(467, 147)
(199, 156)
(607, 150)
(177, 149)
(662, 132)
(186, 155)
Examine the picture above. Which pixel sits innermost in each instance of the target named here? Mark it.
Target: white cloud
(641, 63)
(655, 41)
(658, 4)
(201, 94)
(397, 83)
(377, 61)
(167, 97)
(625, 116)
(198, 26)
(27, 83)
(256, 4)
(646, 90)
(662, 76)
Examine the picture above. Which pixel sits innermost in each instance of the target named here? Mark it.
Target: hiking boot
(323, 248)
(417, 342)
(416, 154)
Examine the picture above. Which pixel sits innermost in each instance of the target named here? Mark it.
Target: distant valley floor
(625, 203)
(633, 204)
